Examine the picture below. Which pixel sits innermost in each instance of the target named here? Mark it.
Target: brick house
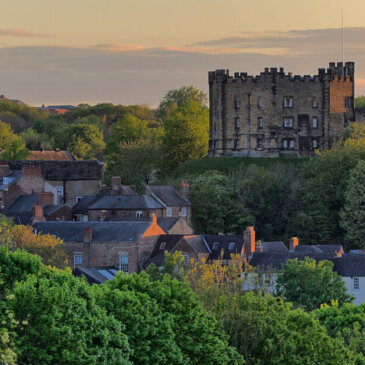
(125, 245)
(176, 202)
(69, 181)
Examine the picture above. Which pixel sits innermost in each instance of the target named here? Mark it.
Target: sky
(134, 51)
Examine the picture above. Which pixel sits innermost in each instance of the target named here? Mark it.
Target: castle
(279, 115)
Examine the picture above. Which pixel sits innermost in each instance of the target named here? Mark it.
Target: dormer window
(231, 246)
(215, 245)
(163, 246)
(5, 180)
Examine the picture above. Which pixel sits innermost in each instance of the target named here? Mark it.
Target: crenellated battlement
(332, 73)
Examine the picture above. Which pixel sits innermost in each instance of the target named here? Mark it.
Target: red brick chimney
(294, 242)
(184, 189)
(45, 199)
(32, 171)
(4, 168)
(88, 234)
(38, 213)
(116, 185)
(249, 241)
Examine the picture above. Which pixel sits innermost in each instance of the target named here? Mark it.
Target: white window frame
(288, 122)
(259, 103)
(315, 103)
(184, 211)
(5, 180)
(237, 123)
(77, 261)
(291, 144)
(78, 199)
(168, 212)
(59, 189)
(314, 122)
(260, 123)
(124, 262)
(139, 214)
(186, 258)
(314, 143)
(356, 284)
(288, 101)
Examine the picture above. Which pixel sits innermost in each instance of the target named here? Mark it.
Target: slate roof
(83, 205)
(273, 260)
(349, 265)
(50, 156)
(96, 275)
(197, 243)
(158, 253)
(49, 209)
(223, 244)
(64, 170)
(23, 203)
(278, 246)
(102, 232)
(126, 202)
(168, 195)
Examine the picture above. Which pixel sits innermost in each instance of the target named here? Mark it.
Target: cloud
(119, 47)
(20, 33)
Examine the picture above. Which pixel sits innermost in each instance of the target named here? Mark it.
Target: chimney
(32, 171)
(249, 241)
(4, 168)
(184, 189)
(116, 185)
(38, 213)
(154, 219)
(88, 234)
(45, 198)
(294, 242)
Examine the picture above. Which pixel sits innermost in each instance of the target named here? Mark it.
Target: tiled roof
(23, 203)
(278, 246)
(217, 243)
(168, 195)
(102, 232)
(349, 265)
(126, 202)
(64, 170)
(166, 242)
(83, 205)
(197, 243)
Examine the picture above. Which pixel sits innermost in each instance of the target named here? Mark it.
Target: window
(259, 103)
(315, 103)
(236, 103)
(356, 283)
(231, 246)
(215, 245)
(288, 144)
(288, 122)
(288, 101)
(237, 123)
(123, 262)
(186, 259)
(314, 122)
(163, 246)
(5, 181)
(184, 211)
(78, 258)
(59, 190)
(260, 123)
(78, 199)
(348, 103)
(139, 213)
(169, 212)
(259, 143)
(236, 146)
(314, 143)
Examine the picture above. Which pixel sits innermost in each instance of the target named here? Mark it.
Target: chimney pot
(38, 213)
(184, 189)
(116, 185)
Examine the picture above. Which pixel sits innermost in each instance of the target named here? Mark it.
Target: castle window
(288, 144)
(259, 143)
(260, 123)
(288, 101)
(315, 103)
(237, 123)
(314, 143)
(236, 103)
(348, 103)
(288, 122)
(259, 103)
(314, 122)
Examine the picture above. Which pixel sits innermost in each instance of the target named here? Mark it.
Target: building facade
(279, 115)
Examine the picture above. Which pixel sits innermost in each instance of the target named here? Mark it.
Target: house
(69, 181)
(26, 209)
(176, 202)
(126, 245)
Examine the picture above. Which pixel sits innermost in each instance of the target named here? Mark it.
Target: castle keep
(276, 114)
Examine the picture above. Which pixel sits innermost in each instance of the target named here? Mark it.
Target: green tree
(309, 284)
(196, 334)
(179, 97)
(214, 205)
(353, 212)
(12, 145)
(186, 135)
(347, 323)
